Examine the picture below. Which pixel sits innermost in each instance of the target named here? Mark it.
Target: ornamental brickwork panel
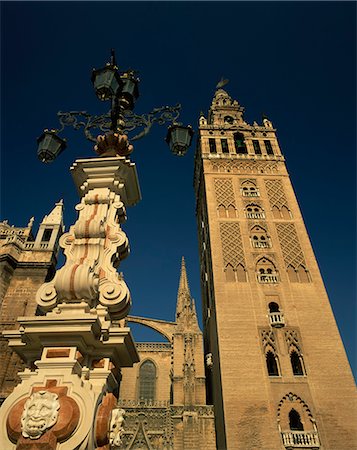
(232, 247)
(224, 192)
(290, 245)
(292, 339)
(244, 167)
(276, 193)
(268, 339)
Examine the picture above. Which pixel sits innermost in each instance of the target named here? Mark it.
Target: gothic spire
(183, 285)
(185, 307)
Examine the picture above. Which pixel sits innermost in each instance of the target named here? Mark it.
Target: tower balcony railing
(267, 278)
(276, 319)
(261, 244)
(301, 439)
(14, 239)
(250, 193)
(254, 215)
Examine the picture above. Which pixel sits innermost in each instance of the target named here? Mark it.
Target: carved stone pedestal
(75, 351)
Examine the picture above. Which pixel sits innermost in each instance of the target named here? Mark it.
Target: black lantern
(130, 90)
(49, 146)
(179, 138)
(107, 83)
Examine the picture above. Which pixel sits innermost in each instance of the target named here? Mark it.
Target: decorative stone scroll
(95, 244)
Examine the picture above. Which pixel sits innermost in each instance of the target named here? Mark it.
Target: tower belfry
(279, 376)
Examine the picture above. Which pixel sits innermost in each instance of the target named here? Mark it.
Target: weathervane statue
(73, 353)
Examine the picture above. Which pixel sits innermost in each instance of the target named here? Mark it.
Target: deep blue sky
(293, 61)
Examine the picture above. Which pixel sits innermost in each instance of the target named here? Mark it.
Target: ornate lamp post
(120, 125)
(74, 352)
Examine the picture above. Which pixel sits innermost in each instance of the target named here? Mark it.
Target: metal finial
(222, 83)
(112, 57)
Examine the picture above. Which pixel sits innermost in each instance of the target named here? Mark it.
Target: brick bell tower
(279, 377)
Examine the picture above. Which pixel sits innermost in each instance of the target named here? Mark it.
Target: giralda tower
(278, 375)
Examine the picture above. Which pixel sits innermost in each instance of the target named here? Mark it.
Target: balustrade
(255, 215)
(260, 244)
(250, 193)
(276, 319)
(263, 278)
(301, 439)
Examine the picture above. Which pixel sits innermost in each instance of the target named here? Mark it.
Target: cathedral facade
(267, 372)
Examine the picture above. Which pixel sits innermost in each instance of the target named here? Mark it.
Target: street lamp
(50, 146)
(179, 138)
(118, 125)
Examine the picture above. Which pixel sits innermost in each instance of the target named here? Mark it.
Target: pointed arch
(276, 212)
(221, 211)
(296, 362)
(147, 380)
(230, 273)
(292, 274)
(285, 212)
(231, 211)
(272, 362)
(290, 401)
(303, 274)
(241, 274)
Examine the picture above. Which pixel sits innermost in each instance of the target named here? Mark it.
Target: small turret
(50, 229)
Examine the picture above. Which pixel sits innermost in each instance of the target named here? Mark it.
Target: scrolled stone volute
(116, 297)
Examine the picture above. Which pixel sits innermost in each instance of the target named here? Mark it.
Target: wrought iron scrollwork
(82, 119)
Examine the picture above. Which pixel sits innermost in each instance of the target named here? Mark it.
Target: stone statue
(40, 413)
(116, 428)
(209, 360)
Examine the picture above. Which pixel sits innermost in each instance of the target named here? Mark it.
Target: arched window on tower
(276, 317)
(297, 363)
(295, 421)
(259, 237)
(239, 143)
(147, 380)
(249, 189)
(253, 211)
(272, 364)
(266, 271)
